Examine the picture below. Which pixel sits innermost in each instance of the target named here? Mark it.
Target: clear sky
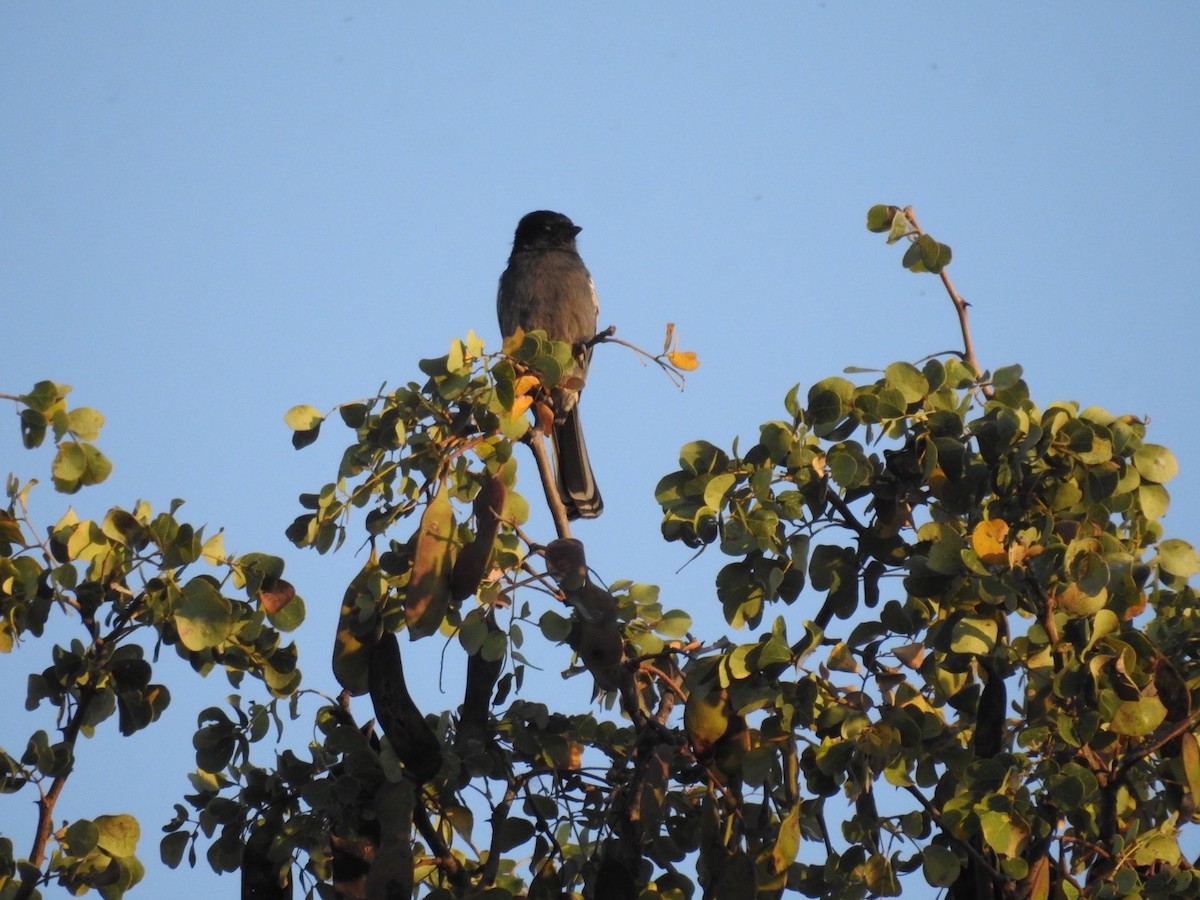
(212, 212)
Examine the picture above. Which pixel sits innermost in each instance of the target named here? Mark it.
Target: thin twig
(491, 868)
(446, 861)
(972, 851)
(537, 443)
(674, 373)
(47, 801)
(1155, 745)
(960, 306)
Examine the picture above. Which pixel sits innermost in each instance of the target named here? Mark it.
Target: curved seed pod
(428, 592)
(403, 725)
(471, 566)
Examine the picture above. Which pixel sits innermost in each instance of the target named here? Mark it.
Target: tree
(978, 671)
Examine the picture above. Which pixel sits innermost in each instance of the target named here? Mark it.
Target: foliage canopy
(961, 652)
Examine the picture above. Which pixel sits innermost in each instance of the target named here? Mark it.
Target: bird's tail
(573, 470)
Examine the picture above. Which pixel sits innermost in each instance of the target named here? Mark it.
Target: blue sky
(212, 212)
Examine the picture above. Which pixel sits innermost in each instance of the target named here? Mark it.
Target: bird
(547, 287)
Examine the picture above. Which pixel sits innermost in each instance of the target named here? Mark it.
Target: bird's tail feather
(573, 469)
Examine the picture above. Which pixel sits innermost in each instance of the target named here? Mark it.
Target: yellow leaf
(1190, 754)
(474, 345)
(1076, 603)
(987, 540)
(520, 405)
(525, 384)
(213, 550)
(1038, 879)
(818, 465)
(1020, 551)
(683, 359)
(513, 341)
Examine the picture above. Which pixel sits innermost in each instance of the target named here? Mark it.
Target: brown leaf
(277, 596)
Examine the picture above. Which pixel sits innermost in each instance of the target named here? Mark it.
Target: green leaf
(513, 833)
(78, 465)
(354, 415)
(717, 488)
(879, 217)
(556, 628)
(1077, 603)
(69, 463)
(171, 848)
(1137, 718)
(46, 395)
(1004, 832)
(1153, 500)
(303, 418)
(82, 837)
(85, 423)
(1178, 558)
(1158, 846)
(33, 428)
(974, 635)
(1007, 377)
(253, 571)
(927, 255)
(461, 818)
(908, 380)
(702, 458)
(674, 624)
(118, 834)
(203, 617)
(290, 617)
(1155, 463)
(829, 401)
(787, 842)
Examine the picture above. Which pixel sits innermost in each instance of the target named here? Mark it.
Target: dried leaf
(683, 359)
(524, 384)
(276, 597)
(519, 407)
(987, 540)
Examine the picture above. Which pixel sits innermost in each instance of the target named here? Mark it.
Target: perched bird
(546, 286)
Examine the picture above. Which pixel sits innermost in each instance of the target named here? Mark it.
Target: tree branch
(960, 307)
(537, 443)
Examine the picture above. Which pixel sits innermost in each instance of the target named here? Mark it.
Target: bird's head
(544, 229)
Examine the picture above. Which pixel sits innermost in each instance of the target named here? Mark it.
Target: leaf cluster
(122, 589)
(986, 576)
(961, 650)
(992, 560)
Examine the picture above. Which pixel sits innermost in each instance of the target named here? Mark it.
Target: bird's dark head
(544, 229)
